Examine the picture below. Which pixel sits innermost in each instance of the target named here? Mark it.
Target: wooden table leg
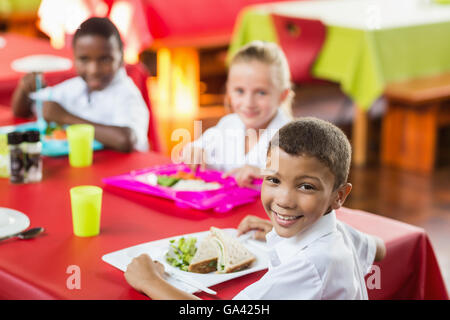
(359, 136)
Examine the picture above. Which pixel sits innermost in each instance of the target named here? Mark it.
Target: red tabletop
(37, 268)
(18, 46)
(7, 117)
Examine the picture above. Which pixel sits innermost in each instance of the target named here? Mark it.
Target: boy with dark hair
(98, 26)
(312, 254)
(102, 94)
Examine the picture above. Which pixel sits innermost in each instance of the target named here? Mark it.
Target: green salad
(181, 252)
(167, 181)
(52, 127)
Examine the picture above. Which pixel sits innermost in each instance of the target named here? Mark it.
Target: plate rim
(18, 213)
(68, 63)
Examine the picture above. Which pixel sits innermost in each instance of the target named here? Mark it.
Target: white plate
(12, 221)
(41, 63)
(156, 249)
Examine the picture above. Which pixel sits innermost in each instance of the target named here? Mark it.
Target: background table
(367, 45)
(36, 269)
(18, 46)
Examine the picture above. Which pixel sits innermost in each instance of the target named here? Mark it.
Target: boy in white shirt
(102, 95)
(312, 255)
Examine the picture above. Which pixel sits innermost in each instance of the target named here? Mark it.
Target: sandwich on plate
(222, 253)
(205, 258)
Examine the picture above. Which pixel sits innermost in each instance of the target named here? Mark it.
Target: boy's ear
(341, 194)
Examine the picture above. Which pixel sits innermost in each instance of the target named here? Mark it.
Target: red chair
(139, 74)
(301, 41)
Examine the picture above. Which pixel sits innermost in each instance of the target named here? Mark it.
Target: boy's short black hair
(100, 27)
(320, 139)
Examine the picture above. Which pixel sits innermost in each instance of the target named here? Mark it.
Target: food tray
(223, 199)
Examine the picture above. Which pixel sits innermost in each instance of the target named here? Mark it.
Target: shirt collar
(118, 77)
(288, 247)
(279, 120)
(275, 124)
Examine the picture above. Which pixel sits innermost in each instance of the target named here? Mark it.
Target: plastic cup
(81, 139)
(86, 202)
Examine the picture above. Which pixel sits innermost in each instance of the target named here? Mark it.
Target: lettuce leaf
(181, 252)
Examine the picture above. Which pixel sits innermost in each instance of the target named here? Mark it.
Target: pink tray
(221, 200)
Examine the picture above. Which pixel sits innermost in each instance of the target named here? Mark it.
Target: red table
(36, 269)
(7, 118)
(18, 46)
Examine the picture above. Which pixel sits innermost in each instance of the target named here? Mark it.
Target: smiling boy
(101, 95)
(312, 254)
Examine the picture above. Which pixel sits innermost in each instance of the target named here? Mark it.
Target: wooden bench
(416, 109)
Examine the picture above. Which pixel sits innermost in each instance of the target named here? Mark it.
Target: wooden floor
(417, 199)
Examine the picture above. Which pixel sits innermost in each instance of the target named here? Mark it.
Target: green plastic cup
(81, 139)
(86, 204)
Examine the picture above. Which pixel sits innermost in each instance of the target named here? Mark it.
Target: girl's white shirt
(224, 144)
(119, 104)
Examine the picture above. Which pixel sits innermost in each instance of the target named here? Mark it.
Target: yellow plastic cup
(81, 140)
(86, 202)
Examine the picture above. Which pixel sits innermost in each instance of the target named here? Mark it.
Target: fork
(188, 280)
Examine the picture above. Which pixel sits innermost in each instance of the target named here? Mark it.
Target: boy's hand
(193, 157)
(142, 272)
(28, 83)
(381, 249)
(244, 176)
(21, 101)
(262, 227)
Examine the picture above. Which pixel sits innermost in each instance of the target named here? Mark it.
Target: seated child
(258, 84)
(102, 94)
(312, 254)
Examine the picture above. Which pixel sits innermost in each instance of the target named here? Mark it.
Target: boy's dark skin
(96, 60)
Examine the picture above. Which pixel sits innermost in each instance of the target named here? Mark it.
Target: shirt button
(274, 259)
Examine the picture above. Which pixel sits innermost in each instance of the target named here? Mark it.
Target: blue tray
(54, 148)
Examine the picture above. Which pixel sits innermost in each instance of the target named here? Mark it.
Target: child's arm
(262, 226)
(146, 276)
(381, 249)
(244, 176)
(21, 102)
(118, 138)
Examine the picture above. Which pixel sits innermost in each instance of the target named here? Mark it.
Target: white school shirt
(326, 261)
(119, 104)
(224, 144)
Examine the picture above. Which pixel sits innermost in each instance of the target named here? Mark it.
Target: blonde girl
(258, 90)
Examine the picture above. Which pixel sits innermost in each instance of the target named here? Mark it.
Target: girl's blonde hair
(271, 54)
